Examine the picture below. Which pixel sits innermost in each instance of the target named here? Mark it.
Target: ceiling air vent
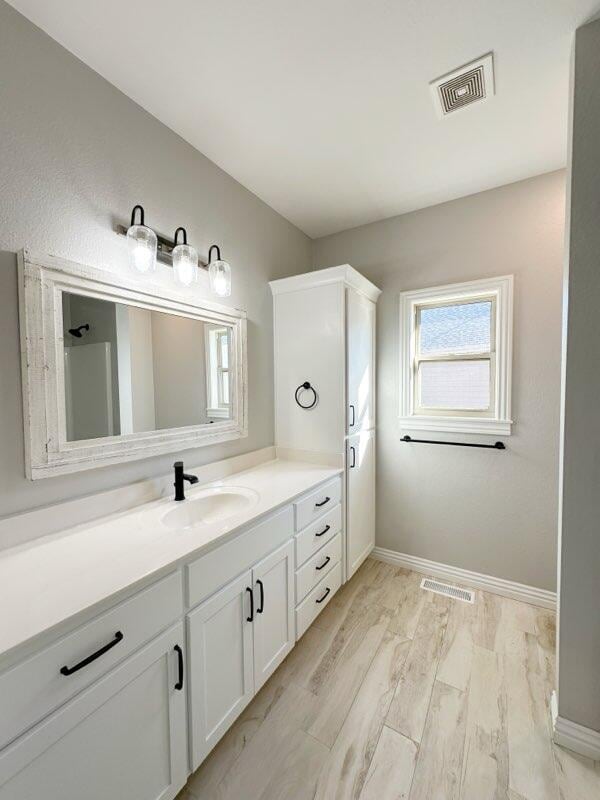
(472, 83)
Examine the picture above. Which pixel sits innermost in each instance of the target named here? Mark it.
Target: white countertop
(48, 581)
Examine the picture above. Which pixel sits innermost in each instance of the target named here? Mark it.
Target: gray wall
(481, 510)
(579, 627)
(76, 154)
(179, 370)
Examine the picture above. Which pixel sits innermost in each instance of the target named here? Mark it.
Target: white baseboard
(517, 591)
(581, 740)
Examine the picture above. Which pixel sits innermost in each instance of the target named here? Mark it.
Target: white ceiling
(322, 107)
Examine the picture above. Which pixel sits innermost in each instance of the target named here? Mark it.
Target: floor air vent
(450, 591)
(470, 84)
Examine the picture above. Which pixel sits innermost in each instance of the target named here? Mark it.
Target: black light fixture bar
(495, 446)
(164, 248)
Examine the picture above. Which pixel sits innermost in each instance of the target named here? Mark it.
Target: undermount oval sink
(210, 505)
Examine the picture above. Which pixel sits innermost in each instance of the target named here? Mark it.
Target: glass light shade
(185, 264)
(142, 243)
(219, 274)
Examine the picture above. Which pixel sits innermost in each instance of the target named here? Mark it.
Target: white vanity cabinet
(221, 669)
(360, 461)
(318, 519)
(123, 737)
(237, 639)
(132, 699)
(274, 630)
(360, 350)
(324, 333)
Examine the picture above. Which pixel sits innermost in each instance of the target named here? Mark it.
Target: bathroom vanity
(131, 644)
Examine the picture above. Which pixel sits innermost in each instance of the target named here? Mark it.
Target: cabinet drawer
(34, 688)
(123, 738)
(310, 608)
(318, 566)
(215, 569)
(317, 502)
(317, 534)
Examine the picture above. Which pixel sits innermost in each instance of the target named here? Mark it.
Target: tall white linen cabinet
(324, 336)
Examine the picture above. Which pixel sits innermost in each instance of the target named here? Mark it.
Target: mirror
(117, 368)
(129, 369)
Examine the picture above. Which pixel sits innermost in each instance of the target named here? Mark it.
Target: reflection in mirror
(129, 369)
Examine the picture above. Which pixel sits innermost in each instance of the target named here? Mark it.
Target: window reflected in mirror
(130, 369)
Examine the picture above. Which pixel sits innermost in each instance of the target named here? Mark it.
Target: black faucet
(180, 477)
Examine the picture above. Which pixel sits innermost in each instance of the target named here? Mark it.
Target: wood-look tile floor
(399, 693)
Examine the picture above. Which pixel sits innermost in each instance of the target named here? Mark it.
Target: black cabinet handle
(353, 464)
(320, 600)
(179, 651)
(353, 423)
(251, 617)
(323, 502)
(324, 531)
(324, 564)
(262, 597)
(93, 657)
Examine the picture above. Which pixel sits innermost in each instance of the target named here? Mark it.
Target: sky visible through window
(460, 328)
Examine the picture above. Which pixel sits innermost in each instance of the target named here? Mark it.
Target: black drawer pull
(93, 657)
(251, 617)
(320, 600)
(179, 651)
(324, 531)
(262, 597)
(323, 502)
(353, 423)
(324, 564)
(353, 464)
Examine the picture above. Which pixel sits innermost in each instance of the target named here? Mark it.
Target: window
(456, 357)
(217, 372)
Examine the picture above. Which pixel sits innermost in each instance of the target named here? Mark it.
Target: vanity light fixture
(185, 260)
(142, 243)
(145, 246)
(219, 273)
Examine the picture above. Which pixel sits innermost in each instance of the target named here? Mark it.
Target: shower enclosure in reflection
(129, 369)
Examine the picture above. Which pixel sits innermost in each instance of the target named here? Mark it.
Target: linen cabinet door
(123, 737)
(220, 663)
(274, 621)
(360, 328)
(360, 499)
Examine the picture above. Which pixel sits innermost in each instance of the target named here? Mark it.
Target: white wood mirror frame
(42, 281)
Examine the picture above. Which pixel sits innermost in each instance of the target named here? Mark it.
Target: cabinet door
(220, 664)
(309, 346)
(360, 325)
(360, 500)
(274, 626)
(123, 737)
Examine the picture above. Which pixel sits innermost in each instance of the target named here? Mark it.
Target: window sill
(486, 426)
(220, 413)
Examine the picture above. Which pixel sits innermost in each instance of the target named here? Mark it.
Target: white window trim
(499, 425)
(216, 411)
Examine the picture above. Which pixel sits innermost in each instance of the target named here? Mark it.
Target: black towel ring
(302, 387)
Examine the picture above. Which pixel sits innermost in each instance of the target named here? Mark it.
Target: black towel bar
(495, 446)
